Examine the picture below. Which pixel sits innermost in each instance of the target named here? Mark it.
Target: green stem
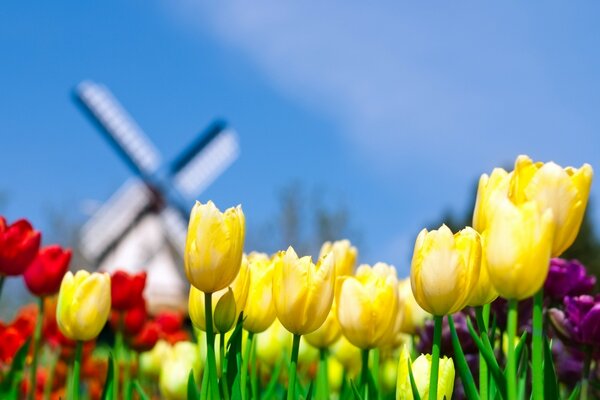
(76, 369)
(482, 324)
(210, 348)
(245, 361)
(291, 394)
(36, 344)
(376, 368)
(118, 353)
(127, 388)
(511, 363)
(587, 362)
(323, 374)
(224, 387)
(537, 349)
(254, 370)
(2, 277)
(435, 356)
(364, 372)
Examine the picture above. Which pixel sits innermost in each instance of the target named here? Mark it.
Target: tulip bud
(445, 269)
(367, 304)
(413, 316)
(45, 273)
(259, 311)
(302, 291)
(239, 287)
(518, 243)
(126, 289)
(225, 315)
(345, 256)
(213, 250)
(327, 333)
(421, 369)
(19, 244)
(83, 304)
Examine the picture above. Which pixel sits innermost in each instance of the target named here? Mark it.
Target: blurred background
(353, 121)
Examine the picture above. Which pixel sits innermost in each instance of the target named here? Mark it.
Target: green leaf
(575, 393)
(12, 379)
(356, 392)
(551, 388)
(413, 385)
(234, 348)
(461, 364)
(192, 388)
(520, 345)
(310, 391)
(270, 390)
(236, 390)
(140, 391)
(485, 349)
(107, 390)
(522, 368)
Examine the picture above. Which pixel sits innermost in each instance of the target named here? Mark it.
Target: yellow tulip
(83, 304)
(564, 191)
(421, 369)
(484, 292)
(151, 361)
(240, 288)
(345, 256)
(413, 316)
(176, 368)
(518, 244)
(347, 354)
(367, 304)
(327, 333)
(302, 291)
(445, 269)
(214, 245)
(490, 187)
(273, 343)
(259, 312)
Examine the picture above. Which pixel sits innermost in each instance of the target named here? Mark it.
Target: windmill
(143, 225)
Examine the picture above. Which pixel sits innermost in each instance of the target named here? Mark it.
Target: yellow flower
(413, 316)
(421, 369)
(302, 291)
(181, 359)
(327, 333)
(259, 312)
(518, 244)
(445, 269)
(564, 191)
(367, 304)
(151, 361)
(484, 292)
(239, 287)
(83, 304)
(273, 343)
(213, 250)
(347, 354)
(345, 256)
(489, 188)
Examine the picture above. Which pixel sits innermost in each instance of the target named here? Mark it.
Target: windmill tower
(143, 225)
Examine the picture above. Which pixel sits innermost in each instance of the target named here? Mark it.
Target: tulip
(126, 289)
(517, 248)
(44, 275)
(326, 334)
(146, 338)
(489, 190)
(239, 287)
(445, 269)
(347, 354)
(83, 304)
(272, 343)
(213, 250)
(367, 304)
(483, 293)
(413, 316)
(302, 291)
(175, 371)
(421, 369)
(151, 361)
(259, 311)
(564, 191)
(567, 278)
(579, 323)
(345, 256)
(19, 244)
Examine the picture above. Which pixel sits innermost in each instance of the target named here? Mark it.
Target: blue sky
(396, 109)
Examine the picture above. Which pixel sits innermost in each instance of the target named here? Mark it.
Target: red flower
(19, 245)
(131, 321)
(45, 273)
(170, 322)
(11, 341)
(126, 289)
(146, 338)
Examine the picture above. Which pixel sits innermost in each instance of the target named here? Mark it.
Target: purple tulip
(567, 278)
(579, 323)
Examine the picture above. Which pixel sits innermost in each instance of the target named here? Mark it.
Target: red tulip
(131, 321)
(45, 273)
(11, 341)
(19, 244)
(126, 289)
(169, 321)
(146, 338)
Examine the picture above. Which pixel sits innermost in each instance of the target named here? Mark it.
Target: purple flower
(580, 321)
(568, 362)
(567, 278)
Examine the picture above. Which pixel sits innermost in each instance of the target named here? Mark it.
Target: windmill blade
(208, 163)
(119, 127)
(176, 227)
(114, 218)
